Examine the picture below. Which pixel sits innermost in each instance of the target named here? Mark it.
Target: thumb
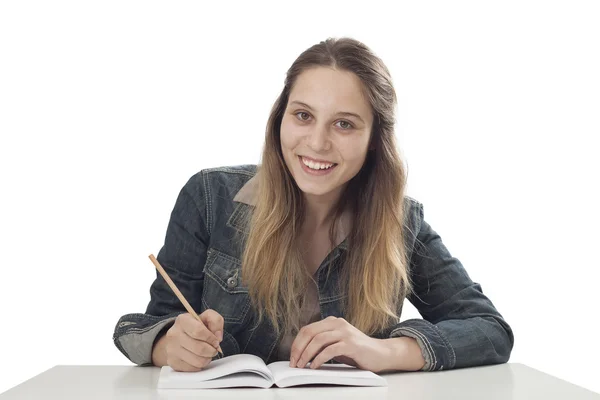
(214, 322)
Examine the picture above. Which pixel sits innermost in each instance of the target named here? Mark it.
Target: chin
(314, 192)
(315, 189)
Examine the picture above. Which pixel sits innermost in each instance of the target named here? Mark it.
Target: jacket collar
(247, 195)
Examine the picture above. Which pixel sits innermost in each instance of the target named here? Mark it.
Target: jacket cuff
(435, 347)
(135, 335)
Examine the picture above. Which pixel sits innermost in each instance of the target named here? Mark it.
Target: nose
(318, 139)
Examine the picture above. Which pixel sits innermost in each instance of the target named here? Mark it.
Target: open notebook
(249, 370)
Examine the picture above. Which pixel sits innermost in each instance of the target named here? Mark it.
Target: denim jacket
(460, 325)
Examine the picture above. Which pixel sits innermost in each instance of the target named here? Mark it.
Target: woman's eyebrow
(343, 113)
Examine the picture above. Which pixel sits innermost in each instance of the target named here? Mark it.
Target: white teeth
(315, 165)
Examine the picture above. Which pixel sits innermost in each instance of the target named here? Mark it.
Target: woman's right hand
(189, 345)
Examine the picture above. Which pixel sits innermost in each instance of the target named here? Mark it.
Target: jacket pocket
(223, 290)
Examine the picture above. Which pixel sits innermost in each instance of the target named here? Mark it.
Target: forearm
(457, 343)
(404, 354)
(135, 335)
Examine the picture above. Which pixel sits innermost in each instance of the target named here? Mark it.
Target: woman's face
(316, 125)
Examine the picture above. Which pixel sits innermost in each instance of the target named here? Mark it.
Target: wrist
(159, 356)
(404, 354)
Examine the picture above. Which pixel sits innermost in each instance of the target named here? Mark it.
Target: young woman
(309, 255)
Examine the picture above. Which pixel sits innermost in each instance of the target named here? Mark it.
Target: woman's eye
(348, 125)
(300, 113)
(345, 125)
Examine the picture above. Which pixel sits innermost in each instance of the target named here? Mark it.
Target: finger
(214, 322)
(191, 358)
(197, 330)
(317, 344)
(345, 360)
(335, 350)
(305, 336)
(198, 347)
(180, 365)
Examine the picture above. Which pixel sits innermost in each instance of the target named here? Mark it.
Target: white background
(108, 107)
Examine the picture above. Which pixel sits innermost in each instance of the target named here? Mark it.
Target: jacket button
(232, 282)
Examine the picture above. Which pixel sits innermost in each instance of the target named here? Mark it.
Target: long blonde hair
(375, 273)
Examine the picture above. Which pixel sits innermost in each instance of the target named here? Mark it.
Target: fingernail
(292, 364)
(220, 335)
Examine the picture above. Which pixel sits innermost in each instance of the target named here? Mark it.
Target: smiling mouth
(315, 160)
(314, 171)
(311, 161)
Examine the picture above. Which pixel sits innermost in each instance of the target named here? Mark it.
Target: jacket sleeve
(182, 256)
(460, 325)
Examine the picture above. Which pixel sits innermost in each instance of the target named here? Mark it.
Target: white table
(504, 381)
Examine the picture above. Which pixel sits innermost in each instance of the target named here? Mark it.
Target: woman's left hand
(335, 338)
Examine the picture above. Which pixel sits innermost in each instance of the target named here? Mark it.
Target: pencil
(179, 295)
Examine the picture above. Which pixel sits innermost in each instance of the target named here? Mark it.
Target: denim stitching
(236, 216)
(448, 346)
(226, 256)
(212, 256)
(222, 283)
(146, 329)
(206, 199)
(428, 346)
(249, 339)
(246, 307)
(218, 281)
(275, 342)
(226, 319)
(230, 171)
(431, 349)
(207, 195)
(205, 173)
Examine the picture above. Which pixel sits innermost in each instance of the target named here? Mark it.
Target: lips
(315, 172)
(317, 160)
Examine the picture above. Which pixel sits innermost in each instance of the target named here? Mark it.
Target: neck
(319, 211)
